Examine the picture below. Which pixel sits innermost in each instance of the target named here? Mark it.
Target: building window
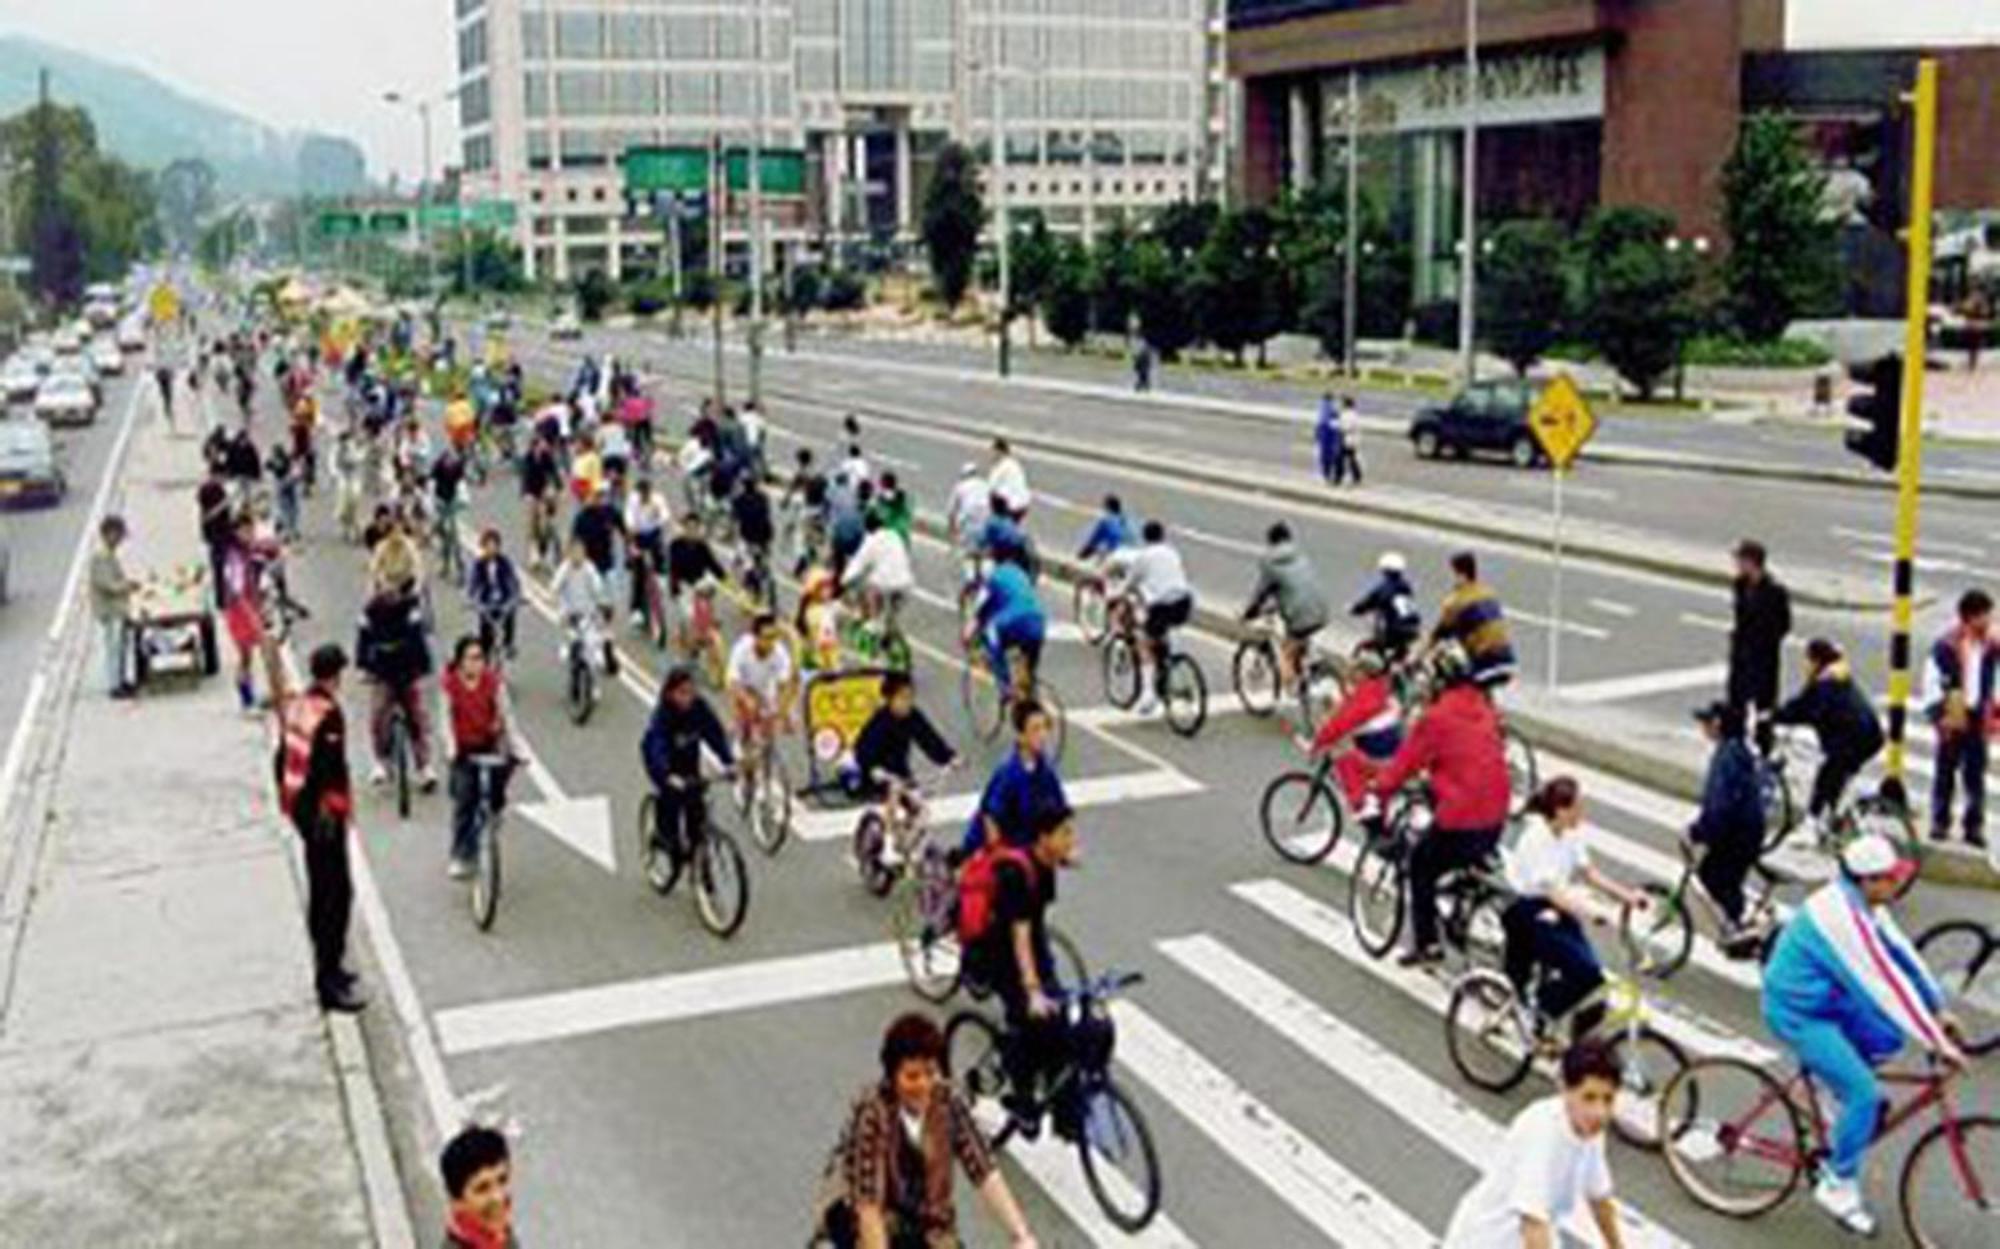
(583, 149)
(475, 103)
(570, 195)
(692, 94)
(580, 35)
(478, 153)
(535, 93)
(598, 195)
(815, 17)
(580, 93)
(635, 93)
(633, 36)
(472, 47)
(816, 69)
(584, 225)
(539, 149)
(534, 35)
(534, 195)
(690, 38)
(738, 95)
(733, 37)
(547, 226)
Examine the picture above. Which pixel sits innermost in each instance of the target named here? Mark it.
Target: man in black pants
(1761, 620)
(316, 793)
(1730, 826)
(1012, 954)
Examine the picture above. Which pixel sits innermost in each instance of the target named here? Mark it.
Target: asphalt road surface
(671, 1089)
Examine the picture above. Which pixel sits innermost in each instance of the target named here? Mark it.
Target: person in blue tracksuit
(1009, 616)
(1328, 435)
(1844, 991)
(1111, 532)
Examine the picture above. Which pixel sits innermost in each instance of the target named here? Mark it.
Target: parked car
(105, 357)
(499, 319)
(566, 325)
(30, 466)
(131, 336)
(20, 379)
(1484, 417)
(66, 399)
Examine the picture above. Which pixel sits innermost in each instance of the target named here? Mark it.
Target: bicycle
(1658, 940)
(873, 639)
(1470, 899)
(989, 708)
(544, 543)
(899, 819)
(1302, 813)
(581, 690)
(1318, 684)
(1964, 955)
(764, 790)
(1495, 1039)
(1182, 687)
(721, 878)
(397, 735)
(1856, 815)
(923, 922)
(652, 599)
(1091, 607)
(1113, 1143)
(489, 773)
(700, 636)
(444, 536)
(1739, 1140)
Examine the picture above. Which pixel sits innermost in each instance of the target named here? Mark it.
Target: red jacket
(1370, 713)
(1457, 744)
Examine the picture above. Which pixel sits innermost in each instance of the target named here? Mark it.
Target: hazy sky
(289, 63)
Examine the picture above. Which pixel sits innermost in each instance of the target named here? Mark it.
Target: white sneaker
(1147, 707)
(427, 779)
(638, 621)
(460, 869)
(891, 855)
(378, 776)
(1842, 1199)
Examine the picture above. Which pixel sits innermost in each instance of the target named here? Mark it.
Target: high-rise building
(1110, 108)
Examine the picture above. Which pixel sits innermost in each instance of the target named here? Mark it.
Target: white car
(66, 399)
(131, 337)
(68, 342)
(20, 379)
(566, 326)
(105, 357)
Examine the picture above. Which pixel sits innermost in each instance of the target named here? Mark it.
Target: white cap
(1872, 854)
(1391, 561)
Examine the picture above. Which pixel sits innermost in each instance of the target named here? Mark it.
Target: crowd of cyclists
(628, 521)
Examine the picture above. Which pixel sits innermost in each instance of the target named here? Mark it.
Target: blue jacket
(1945, 674)
(1112, 532)
(1004, 540)
(493, 585)
(1327, 428)
(1393, 604)
(1009, 598)
(1839, 962)
(1732, 806)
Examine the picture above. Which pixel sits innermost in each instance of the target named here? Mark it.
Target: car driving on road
(1485, 417)
(30, 469)
(105, 357)
(66, 399)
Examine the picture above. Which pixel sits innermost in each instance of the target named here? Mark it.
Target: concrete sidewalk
(166, 1077)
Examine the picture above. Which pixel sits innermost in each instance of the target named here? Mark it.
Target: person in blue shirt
(1023, 788)
(1844, 991)
(1112, 532)
(1730, 825)
(1002, 539)
(1328, 435)
(1009, 617)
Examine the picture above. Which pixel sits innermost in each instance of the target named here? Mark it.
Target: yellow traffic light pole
(1910, 453)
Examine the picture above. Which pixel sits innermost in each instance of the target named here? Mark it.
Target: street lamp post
(1467, 349)
(1350, 285)
(758, 237)
(423, 239)
(1002, 226)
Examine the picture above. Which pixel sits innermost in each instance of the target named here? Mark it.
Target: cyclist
(805, 507)
(461, 423)
(1730, 825)
(494, 589)
(447, 482)
(393, 651)
(476, 723)
(751, 510)
(413, 450)
(882, 750)
(696, 461)
(1373, 717)
(763, 683)
(1844, 991)
(818, 621)
(586, 468)
(1154, 575)
(1111, 532)
(847, 523)
(692, 567)
(1287, 585)
(541, 489)
(1002, 540)
(1470, 615)
(395, 565)
(852, 473)
(581, 599)
(888, 1184)
(1023, 783)
(892, 504)
(646, 519)
(682, 726)
(600, 527)
(971, 503)
(882, 569)
(1841, 717)
(1009, 616)
(1544, 922)
(1550, 1161)
(1009, 480)
(1456, 745)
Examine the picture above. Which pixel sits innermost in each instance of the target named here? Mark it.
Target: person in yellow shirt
(586, 469)
(461, 423)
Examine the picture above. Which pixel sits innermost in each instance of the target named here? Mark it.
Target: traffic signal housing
(1878, 411)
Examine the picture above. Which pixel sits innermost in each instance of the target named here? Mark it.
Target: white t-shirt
(753, 428)
(762, 675)
(647, 515)
(971, 503)
(882, 563)
(694, 456)
(1541, 1169)
(1010, 481)
(1541, 862)
(1154, 572)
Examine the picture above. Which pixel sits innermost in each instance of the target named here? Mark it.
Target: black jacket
(674, 738)
(1756, 644)
(1839, 714)
(885, 744)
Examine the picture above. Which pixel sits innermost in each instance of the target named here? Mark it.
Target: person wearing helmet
(1471, 616)
(1845, 990)
(1841, 717)
(1391, 607)
(1371, 717)
(1456, 746)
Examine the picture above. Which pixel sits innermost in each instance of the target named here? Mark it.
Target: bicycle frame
(1931, 1091)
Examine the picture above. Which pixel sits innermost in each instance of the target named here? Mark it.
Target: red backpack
(979, 889)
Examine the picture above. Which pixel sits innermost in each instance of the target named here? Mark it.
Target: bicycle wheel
(1732, 1138)
(1648, 1062)
(485, 892)
(661, 868)
(921, 921)
(1780, 814)
(1657, 940)
(972, 1057)
(1375, 897)
(764, 801)
(1301, 818)
(1874, 814)
(1951, 1184)
(721, 883)
(1522, 776)
(1119, 1161)
(985, 706)
(1093, 613)
(1121, 671)
(656, 613)
(582, 686)
(896, 653)
(1487, 1032)
(1255, 672)
(1071, 970)
(399, 762)
(1051, 702)
(1186, 695)
(870, 832)
(1965, 957)
(1480, 936)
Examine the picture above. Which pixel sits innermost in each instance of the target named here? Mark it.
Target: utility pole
(1002, 227)
(1350, 282)
(758, 238)
(1469, 227)
(717, 189)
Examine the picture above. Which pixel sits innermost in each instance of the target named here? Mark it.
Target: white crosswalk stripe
(953, 809)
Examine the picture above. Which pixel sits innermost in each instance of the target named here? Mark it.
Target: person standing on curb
(1326, 433)
(111, 603)
(478, 1174)
(1348, 423)
(1763, 616)
(1959, 681)
(316, 794)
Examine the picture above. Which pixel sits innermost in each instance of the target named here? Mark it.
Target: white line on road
(67, 603)
(1645, 684)
(1714, 623)
(1097, 791)
(1612, 607)
(1920, 563)
(1361, 1061)
(1595, 493)
(1344, 1207)
(1592, 632)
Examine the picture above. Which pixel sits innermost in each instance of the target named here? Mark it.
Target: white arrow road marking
(1645, 684)
(582, 824)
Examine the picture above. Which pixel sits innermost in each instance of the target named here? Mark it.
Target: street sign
(482, 214)
(780, 171)
(649, 169)
(391, 221)
(1562, 421)
(164, 304)
(340, 225)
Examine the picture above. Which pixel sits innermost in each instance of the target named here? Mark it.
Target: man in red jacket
(1456, 744)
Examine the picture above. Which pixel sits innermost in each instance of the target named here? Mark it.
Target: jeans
(464, 806)
(1960, 757)
(117, 644)
(411, 699)
(496, 632)
(1329, 458)
(1436, 853)
(329, 902)
(1350, 462)
(1848, 1073)
(1539, 935)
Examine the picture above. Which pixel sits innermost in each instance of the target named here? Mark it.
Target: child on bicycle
(1372, 716)
(1544, 922)
(476, 723)
(882, 751)
(493, 587)
(1730, 825)
(682, 727)
(692, 568)
(581, 600)
(762, 682)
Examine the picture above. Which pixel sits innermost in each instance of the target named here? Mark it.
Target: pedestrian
(315, 793)
(1959, 685)
(1142, 367)
(1326, 433)
(1763, 617)
(1349, 425)
(1550, 1161)
(164, 375)
(478, 1174)
(111, 603)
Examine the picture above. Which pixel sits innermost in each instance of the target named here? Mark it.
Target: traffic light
(1880, 409)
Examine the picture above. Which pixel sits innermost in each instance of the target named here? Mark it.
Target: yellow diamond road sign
(164, 304)
(1561, 420)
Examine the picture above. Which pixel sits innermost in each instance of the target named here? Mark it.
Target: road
(671, 1089)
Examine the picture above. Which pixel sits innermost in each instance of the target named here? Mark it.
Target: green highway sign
(389, 221)
(782, 171)
(649, 169)
(340, 225)
(483, 214)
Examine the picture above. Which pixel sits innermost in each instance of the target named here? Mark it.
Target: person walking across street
(1142, 367)
(111, 604)
(315, 793)
(1326, 435)
(1959, 680)
(1762, 619)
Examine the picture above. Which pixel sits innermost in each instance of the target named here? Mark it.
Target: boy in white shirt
(1550, 1162)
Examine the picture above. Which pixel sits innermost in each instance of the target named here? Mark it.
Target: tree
(1522, 291)
(1783, 254)
(952, 216)
(1161, 298)
(1637, 309)
(1111, 294)
(1066, 294)
(81, 215)
(1238, 291)
(593, 294)
(492, 261)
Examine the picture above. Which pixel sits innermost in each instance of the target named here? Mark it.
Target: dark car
(1484, 417)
